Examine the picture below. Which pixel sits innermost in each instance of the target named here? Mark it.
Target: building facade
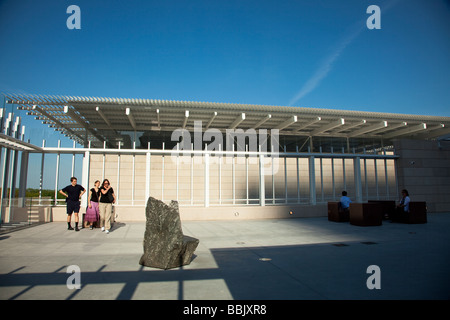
(231, 161)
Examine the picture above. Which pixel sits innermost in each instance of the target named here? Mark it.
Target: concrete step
(14, 226)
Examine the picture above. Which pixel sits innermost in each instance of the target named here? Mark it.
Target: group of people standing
(100, 201)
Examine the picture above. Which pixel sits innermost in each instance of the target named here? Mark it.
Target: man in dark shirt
(73, 193)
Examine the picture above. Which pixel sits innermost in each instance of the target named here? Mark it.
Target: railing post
(85, 178)
(57, 173)
(41, 177)
(206, 157)
(312, 181)
(357, 176)
(262, 190)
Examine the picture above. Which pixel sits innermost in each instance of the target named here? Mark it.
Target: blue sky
(239, 51)
(299, 53)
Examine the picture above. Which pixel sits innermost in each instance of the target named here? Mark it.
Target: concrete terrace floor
(282, 259)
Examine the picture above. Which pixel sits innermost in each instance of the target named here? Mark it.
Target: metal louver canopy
(98, 119)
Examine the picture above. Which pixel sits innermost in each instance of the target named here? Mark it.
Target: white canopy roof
(102, 118)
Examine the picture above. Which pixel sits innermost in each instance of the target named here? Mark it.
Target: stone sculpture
(165, 246)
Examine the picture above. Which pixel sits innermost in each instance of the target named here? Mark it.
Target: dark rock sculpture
(165, 246)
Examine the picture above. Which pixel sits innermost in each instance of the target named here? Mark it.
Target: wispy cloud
(325, 66)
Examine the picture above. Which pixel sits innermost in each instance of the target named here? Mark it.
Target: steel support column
(312, 181)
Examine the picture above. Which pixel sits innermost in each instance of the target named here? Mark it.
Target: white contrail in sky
(324, 68)
(327, 64)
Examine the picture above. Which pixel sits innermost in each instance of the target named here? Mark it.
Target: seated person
(402, 208)
(404, 202)
(345, 201)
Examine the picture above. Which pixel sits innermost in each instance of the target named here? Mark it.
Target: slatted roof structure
(100, 120)
(16, 144)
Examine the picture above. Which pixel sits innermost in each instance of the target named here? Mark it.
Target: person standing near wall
(107, 198)
(73, 193)
(92, 212)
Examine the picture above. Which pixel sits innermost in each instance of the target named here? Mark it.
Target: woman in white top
(404, 202)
